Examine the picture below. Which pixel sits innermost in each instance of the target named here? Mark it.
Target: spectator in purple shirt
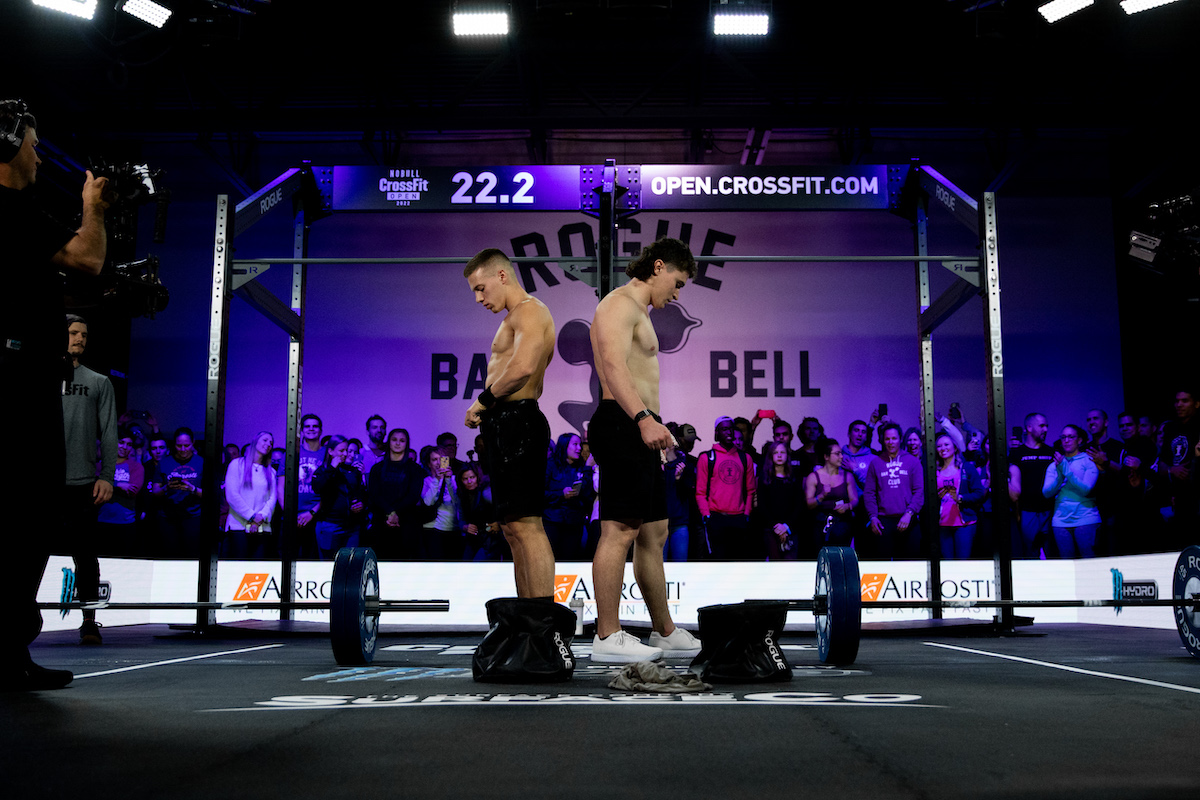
(894, 495)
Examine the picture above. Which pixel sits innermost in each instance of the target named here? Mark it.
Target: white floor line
(1065, 668)
(176, 661)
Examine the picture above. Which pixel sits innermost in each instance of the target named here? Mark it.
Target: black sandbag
(529, 642)
(739, 644)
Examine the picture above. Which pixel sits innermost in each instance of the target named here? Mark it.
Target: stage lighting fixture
(84, 9)
(480, 19)
(741, 17)
(1134, 6)
(147, 11)
(1057, 9)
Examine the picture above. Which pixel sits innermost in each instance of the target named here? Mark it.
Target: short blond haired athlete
(515, 431)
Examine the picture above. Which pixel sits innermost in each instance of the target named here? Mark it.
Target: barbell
(354, 606)
(837, 603)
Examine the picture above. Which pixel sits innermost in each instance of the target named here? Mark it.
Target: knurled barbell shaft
(373, 606)
(1160, 602)
(818, 603)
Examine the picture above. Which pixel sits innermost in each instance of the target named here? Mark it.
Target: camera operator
(34, 364)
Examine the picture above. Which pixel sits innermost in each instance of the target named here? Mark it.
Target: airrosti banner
(830, 340)
(690, 586)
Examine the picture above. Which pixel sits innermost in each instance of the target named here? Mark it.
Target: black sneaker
(32, 678)
(89, 632)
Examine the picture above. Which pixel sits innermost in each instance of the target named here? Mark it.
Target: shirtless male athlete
(515, 431)
(627, 438)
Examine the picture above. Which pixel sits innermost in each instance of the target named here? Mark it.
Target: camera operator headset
(33, 364)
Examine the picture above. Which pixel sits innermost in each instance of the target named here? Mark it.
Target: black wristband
(486, 398)
(645, 412)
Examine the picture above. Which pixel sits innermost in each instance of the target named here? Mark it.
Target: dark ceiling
(308, 69)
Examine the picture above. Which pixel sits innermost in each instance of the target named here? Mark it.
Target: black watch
(645, 412)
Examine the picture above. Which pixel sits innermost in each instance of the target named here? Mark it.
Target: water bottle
(576, 606)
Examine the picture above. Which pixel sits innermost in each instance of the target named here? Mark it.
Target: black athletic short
(632, 486)
(516, 437)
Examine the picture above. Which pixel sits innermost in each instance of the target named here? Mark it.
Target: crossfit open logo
(403, 186)
(251, 587)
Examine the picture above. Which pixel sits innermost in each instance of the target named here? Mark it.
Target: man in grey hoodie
(89, 414)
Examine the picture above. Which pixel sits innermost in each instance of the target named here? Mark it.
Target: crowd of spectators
(1078, 493)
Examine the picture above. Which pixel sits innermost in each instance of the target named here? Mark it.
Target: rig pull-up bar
(612, 192)
(247, 262)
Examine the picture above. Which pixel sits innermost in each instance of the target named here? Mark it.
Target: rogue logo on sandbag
(776, 656)
(564, 651)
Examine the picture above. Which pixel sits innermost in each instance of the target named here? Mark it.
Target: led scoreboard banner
(645, 187)
(726, 188)
(538, 188)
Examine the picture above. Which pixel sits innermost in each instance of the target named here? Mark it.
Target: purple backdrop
(827, 340)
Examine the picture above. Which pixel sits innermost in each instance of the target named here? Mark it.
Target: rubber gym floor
(1062, 711)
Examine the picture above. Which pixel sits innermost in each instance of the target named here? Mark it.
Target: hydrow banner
(690, 586)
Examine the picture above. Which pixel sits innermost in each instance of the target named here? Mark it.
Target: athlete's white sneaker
(622, 648)
(680, 644)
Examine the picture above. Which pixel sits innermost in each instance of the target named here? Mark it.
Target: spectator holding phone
(831, 493)
(440, 537)
(338, 485)
(183, 472)
(569, 496)
(757, 419)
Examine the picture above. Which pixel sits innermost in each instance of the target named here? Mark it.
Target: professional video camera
(134, 183)
(131, 286)
(130, 186)
(136, 289)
